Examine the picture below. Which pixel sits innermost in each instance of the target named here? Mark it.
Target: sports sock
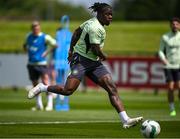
(43, 88)
(39, 102)
(123, 116)
(171, 105)
(61, 97)
(49, 100)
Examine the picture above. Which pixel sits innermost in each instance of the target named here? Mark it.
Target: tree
(41, 9)
(146, 9)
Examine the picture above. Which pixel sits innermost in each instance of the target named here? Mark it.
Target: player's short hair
(99, 7)
(175, 19)
(35, 23)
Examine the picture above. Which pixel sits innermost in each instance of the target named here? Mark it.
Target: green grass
(100, 119)
(122, 37)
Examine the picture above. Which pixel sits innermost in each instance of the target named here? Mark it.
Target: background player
(36, 45)
(169, 54)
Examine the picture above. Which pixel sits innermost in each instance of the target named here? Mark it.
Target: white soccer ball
(150, 129)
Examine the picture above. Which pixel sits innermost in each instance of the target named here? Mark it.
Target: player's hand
(103, 58)
(165, 62)
(70, 56)
(45, 54)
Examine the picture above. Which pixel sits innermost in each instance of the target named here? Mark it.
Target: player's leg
(107, 83)
(70, 86)
(102, 77)
(170, 74)
(171, 98)
(61, 79)
(65, 105)
(178, 85)
(72, 82)
(46, 80)
(39, 103)
(83, 86)
(52, 75)
(34, 76)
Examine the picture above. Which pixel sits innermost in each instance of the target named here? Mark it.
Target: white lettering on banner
(157, 75)
(139, 74)
(136, 72)
(124, 72)
(114, 70)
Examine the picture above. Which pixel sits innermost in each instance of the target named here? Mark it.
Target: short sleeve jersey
(36, 46)
(92, 33)
(170, 46)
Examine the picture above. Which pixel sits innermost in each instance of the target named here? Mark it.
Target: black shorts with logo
(35, 71)
(82, 66)
(172, 75)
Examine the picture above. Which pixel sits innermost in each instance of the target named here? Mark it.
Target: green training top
(170, 49)
(92, 33)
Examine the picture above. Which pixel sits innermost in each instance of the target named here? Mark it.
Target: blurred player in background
(36, 45)
(83, 85)
(51, 70)
(85, 57)
(63, 38)
(169, 54)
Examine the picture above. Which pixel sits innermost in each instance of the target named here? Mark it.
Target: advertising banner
(135, 72)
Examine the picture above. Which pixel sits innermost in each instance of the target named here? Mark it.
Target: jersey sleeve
(83, 25)
(162, 49)
(162, 44)
(95, 35)
(25, 43)
(50, 41)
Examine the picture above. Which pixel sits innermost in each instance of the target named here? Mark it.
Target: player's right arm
(25, 44)
(75, 37)
(161, 52)
(25, 47)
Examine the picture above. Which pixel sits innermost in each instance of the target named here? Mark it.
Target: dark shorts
(81, 66)
(35, 71)
(172, 75)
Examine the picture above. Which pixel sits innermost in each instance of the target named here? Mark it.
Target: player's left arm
(25, 45)
(97, 51)
(51, 43)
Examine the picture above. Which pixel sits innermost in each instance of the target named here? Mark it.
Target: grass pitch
(91, 116)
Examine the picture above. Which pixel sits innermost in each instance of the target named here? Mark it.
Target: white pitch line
(55, 122)
(67, 122)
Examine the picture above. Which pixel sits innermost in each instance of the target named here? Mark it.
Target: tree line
(123, 10)
(146, 9)
(39, 9)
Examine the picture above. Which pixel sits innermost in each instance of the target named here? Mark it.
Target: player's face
(107, 16)
(175, 26)
(36, 29)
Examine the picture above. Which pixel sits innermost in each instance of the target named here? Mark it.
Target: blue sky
(86, 3)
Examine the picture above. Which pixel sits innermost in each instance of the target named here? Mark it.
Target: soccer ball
(150, 129)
